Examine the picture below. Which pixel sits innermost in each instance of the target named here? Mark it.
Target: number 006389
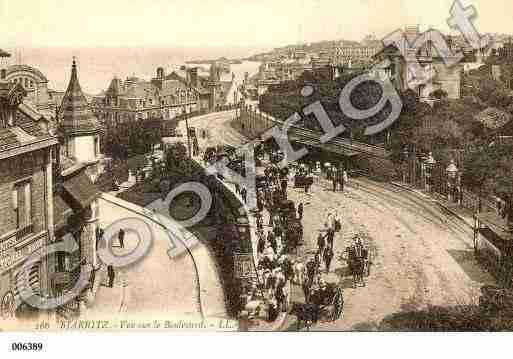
(27, 346)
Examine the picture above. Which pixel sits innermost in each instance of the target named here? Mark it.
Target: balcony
(24, 232)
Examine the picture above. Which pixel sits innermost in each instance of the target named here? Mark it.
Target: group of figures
(278, 266)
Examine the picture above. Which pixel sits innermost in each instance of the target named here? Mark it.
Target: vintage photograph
(235, 166)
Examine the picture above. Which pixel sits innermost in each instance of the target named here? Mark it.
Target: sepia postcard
(256, 166)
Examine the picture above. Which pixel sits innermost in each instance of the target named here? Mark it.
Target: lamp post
(429, 163)
(452, 172)
(405, 155)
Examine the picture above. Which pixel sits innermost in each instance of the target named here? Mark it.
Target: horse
(356, 266)
(305, 313)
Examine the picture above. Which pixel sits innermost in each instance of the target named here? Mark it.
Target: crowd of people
(277, 267)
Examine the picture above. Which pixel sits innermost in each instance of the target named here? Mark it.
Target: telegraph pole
(188, 135)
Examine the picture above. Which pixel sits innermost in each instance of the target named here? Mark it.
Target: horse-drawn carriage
(301, 180)
(293, 225)
(325, 300)
(359, 263)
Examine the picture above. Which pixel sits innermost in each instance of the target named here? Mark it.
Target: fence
(219, 108)
(436, 180)
(253, 123)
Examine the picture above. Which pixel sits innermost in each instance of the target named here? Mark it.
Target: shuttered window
(22, 202)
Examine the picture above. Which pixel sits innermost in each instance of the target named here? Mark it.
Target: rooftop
(18, 68)
(75, 115)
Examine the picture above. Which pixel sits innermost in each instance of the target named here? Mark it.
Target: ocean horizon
(98, 65)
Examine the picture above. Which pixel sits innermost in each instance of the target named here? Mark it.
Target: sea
(97, 66)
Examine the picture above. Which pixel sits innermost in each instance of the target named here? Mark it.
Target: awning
(80, 187)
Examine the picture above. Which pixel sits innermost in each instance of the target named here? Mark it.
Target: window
(26, 82)
(22, 201)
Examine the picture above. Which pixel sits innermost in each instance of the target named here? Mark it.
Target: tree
(489, 170)
(439, 94)
(176, 159)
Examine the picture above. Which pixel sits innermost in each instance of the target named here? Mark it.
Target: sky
(225, 23)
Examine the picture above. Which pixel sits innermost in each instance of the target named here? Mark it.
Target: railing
(219, 108)
(25, 231)
(305, 134)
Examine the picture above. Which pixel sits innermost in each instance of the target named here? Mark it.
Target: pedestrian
(345, 178)
(260, 204)
(284, 185)
(337, 225)
(279, 294)
(334, 179)
(278, 230)
(287, 268)
(260, 223)
(306, 290)
(244, 194)
(300, 210)
(358, 246)
(237, 188)
(330, 236)
(111, 275)
(328, 172)
(273, 243)
(328, 256)
(317, 262)
(273, 312)
(310, 272)
(121, 238)
(321, 243)
(261, 244)
(307, 184)
(329, 221)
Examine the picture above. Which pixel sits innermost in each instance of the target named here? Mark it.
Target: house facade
(166, 96)
(45, 199)
(392, 64)
(26, 203)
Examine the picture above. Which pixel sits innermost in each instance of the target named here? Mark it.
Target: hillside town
(314, 243)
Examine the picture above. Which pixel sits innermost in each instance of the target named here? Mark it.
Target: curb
(281, 320)
(144, 212)
(124, 290)
(439, 203)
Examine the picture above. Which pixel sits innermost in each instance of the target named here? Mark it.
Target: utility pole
(188, 135)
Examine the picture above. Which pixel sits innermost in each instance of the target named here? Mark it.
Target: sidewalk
(258, 324)
(108, 301)
(463, 214)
